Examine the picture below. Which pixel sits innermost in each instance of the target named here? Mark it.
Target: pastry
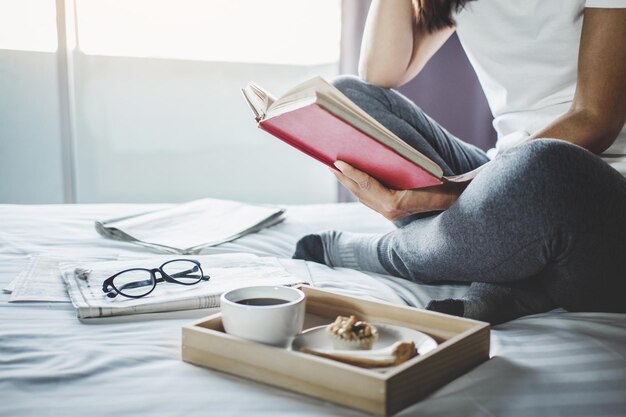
(352, 334)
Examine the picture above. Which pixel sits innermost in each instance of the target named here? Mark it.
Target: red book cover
(327, 138)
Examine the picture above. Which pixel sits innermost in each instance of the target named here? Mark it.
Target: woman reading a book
(543, 223)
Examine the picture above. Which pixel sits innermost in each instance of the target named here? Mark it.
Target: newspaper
(41, 279)
(226, 271)
(188, 228)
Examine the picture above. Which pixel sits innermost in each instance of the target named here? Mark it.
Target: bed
(552, 364)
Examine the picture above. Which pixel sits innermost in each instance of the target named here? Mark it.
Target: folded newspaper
(188, 228)
(227, 271)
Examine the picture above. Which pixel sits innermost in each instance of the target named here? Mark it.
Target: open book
(319, 120)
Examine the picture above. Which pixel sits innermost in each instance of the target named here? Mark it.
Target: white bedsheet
(552, 364)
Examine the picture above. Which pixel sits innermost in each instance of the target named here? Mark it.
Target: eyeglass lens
(134, 283)
(182, 271)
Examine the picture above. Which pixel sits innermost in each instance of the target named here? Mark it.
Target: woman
(543, 224)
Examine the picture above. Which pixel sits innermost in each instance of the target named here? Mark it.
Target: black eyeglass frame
(112, 291)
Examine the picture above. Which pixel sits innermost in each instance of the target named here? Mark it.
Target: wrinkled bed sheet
(52, 364)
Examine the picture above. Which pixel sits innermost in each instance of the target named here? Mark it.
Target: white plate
(317, 338)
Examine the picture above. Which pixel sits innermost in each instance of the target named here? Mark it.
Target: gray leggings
(544, 225)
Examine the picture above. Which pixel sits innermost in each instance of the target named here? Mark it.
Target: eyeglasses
(139, 282)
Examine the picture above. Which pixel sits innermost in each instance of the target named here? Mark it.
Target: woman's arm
(394, 47)
(598, 111)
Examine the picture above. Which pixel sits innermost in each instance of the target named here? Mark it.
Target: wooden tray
(463, 344)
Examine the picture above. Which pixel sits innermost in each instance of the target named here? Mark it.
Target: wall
(154, 129)
(30, 138)
(448, 90)
(150, 130)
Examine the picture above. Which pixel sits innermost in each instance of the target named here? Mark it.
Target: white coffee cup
(272, 315)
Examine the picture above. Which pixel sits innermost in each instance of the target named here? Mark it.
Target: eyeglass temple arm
(185, 273)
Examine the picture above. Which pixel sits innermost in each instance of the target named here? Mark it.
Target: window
(294, 32)
(150, 98)
(28, 25)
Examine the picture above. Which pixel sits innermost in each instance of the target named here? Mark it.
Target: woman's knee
(348, 82)
(361, 92)
(559, 159)
(555, 166)
(546, 154)
(547, 186)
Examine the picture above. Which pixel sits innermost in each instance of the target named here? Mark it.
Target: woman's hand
(395, 204)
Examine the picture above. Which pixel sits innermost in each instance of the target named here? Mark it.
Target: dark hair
(437, 14)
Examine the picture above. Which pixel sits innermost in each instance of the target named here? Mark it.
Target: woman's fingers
(363, 180)
(355, 190)
(367, 189)
(347, 182)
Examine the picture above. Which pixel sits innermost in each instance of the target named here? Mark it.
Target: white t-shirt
(525, 53)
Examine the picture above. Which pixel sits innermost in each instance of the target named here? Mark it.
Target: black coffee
(262, 301)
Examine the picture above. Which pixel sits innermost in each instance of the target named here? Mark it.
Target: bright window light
(28, 25)
(297, 32)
